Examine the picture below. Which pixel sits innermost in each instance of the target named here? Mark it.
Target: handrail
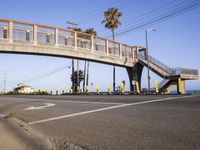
(55, 27)
(162, 83)
(171, 71)
(77, 37)
(156, 63)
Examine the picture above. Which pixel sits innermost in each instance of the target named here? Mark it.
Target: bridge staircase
(170, 75)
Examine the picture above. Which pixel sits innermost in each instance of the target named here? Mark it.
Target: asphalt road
(111, 122)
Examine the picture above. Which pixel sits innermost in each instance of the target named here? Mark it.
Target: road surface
(111, 122)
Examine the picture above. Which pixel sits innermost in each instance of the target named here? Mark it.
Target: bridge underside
(65, 52)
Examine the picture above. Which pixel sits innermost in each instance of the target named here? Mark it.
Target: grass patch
(10, 115)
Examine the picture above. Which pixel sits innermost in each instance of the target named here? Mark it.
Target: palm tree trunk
(87, 79)
(73, 76)
(78, 83)
(113, 34)
(84, 77)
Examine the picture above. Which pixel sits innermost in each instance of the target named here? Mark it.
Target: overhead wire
(47, 74)
(122, 4)
(177, 11)
(145, 15)
(94, 11)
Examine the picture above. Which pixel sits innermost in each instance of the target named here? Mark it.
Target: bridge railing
(185, 71)
(36, 34)
(3, 30)
(99, 44)
(65, 38)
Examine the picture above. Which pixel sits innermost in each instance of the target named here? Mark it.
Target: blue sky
(176, 41)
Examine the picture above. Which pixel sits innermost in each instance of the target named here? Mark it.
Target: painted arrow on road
(40, 107)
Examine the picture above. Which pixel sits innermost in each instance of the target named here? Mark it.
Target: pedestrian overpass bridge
(36, 39)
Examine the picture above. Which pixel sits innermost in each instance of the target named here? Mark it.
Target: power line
(47, 74)
(146, 14)
(170, 14)
(121, 5)
(94, 11)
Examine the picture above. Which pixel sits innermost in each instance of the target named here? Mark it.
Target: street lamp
(147, 54)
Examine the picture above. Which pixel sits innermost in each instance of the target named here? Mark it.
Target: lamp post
(147, 57)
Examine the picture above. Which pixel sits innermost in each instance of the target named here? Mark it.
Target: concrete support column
(10, 33)
(135, 74)
(75, 40)
(35, 35)
(120, 50)
(56, 37)
(92, 44)
(107, 47)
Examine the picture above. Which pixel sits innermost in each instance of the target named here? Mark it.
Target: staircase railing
(171, 71)
(156, 63)
(163, 83)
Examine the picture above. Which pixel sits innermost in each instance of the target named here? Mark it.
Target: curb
(31, 138)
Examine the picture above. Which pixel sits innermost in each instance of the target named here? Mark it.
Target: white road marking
(85, 102)
(67, 101)
(40, 107)
(104, 109)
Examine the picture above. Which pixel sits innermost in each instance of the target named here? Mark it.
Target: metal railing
(163, 83)
(185, 71)
(170, 71)
(36, 34)
(156, 63)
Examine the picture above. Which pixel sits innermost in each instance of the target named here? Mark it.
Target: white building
(22, 88)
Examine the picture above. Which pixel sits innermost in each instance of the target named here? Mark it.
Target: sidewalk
(8, 140)
(16, 135)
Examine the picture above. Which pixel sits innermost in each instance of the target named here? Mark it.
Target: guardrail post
(75, 40)
(107, 47)
(56, 37)
(157, 88)
(92, 44)
(10, 32)
(51, 91)
(97, 89)
(108, 88)
(35, 35)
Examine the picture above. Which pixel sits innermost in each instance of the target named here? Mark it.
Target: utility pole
(147, 57)
(72, 26)
(4, 80)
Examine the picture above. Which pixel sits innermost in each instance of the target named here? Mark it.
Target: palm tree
(77, 78)
(91, 31)
(111, 21)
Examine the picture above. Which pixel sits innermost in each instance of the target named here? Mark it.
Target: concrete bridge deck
(36, 39)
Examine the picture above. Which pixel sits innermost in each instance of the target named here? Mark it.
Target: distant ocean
(188, 92)
(193, 91)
